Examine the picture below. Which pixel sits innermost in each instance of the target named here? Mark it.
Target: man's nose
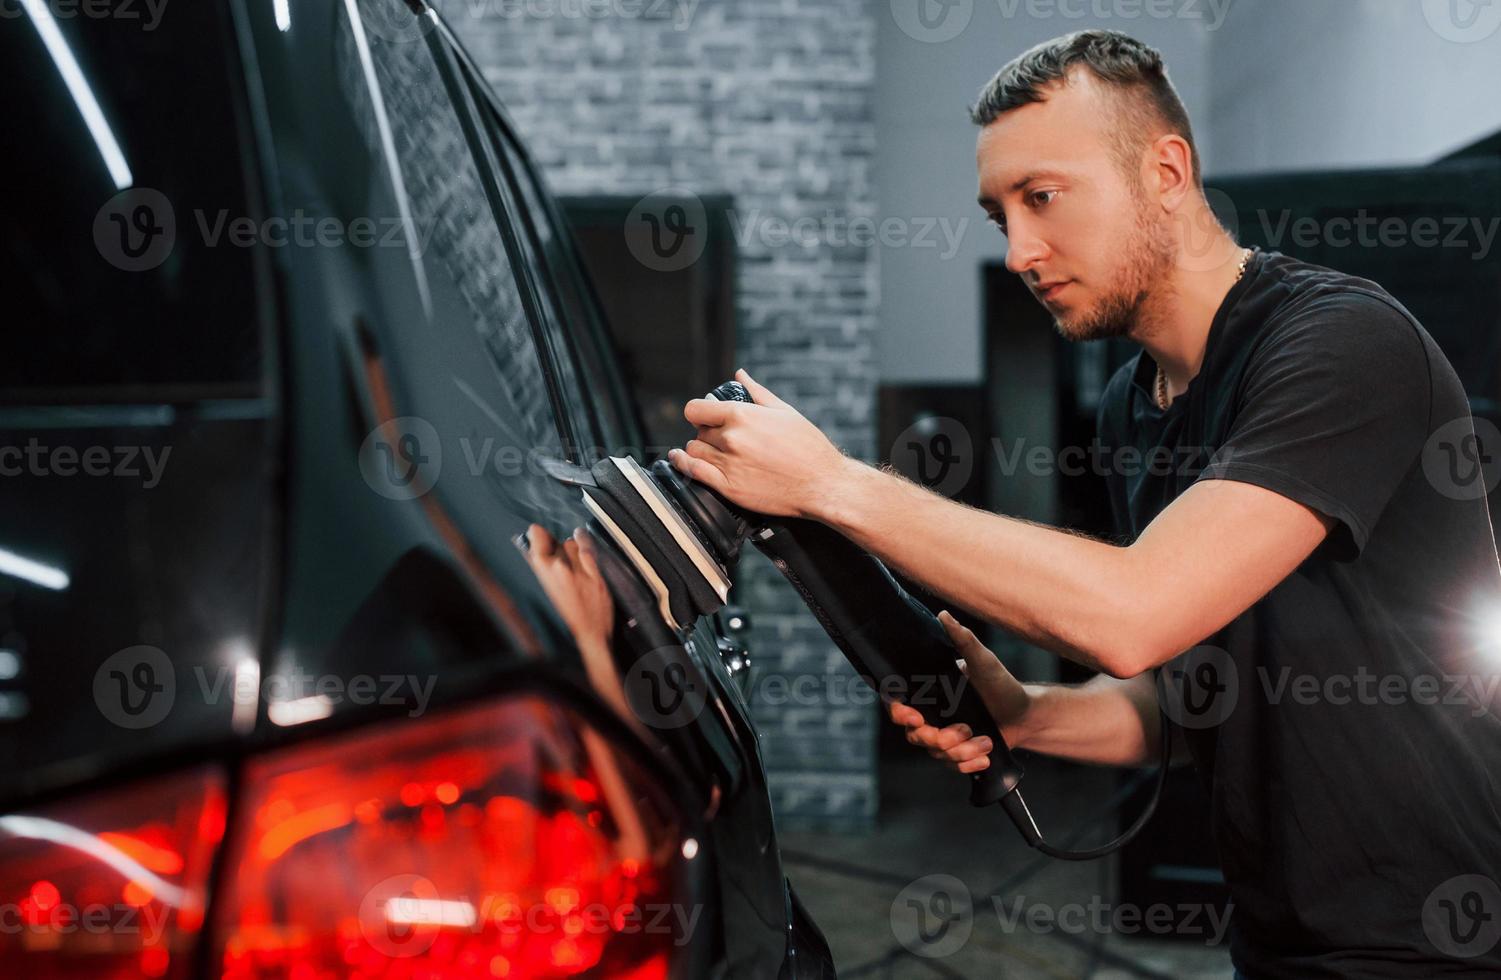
(1023, 250)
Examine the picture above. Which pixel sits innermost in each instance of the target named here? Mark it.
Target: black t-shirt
(1348, 725)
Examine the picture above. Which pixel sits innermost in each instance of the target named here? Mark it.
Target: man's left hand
(765, 457)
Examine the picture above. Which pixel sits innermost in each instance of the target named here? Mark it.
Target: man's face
(1074, 220)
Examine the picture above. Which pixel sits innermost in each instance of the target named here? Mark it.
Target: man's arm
(1207, 557)
(1105, 721)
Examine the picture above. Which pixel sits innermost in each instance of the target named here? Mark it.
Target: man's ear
(1170, 160)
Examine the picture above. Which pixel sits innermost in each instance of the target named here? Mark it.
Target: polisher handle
(893, 641)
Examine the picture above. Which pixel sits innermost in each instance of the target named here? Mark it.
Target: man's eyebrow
(987, 202)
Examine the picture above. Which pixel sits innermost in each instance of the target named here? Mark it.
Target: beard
(1145, 260)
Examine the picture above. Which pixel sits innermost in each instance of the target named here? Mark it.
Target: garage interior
(770, 112)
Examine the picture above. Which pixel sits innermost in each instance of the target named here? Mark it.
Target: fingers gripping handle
(896, 645)
(894, 642)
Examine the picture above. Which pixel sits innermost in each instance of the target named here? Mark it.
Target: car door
(756, 910)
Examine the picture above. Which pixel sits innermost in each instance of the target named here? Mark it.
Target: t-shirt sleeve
(1332, 412)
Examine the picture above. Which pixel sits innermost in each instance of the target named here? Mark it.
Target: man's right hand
(1002, 693)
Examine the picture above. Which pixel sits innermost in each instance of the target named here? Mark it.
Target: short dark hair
(1135, 70)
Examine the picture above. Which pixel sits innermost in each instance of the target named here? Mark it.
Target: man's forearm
(1106, 721)
(1069, 594)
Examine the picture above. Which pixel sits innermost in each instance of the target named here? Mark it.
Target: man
(1327, 583)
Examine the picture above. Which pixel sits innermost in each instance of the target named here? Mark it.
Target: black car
(295, 345)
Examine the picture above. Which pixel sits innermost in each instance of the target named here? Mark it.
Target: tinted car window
(473, 363)
(119, 284)
(462, 247)
(582, 337)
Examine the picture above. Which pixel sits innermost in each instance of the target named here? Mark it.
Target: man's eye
(1037, 198)
(999, 222)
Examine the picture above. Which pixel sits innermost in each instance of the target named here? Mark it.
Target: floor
(940, 890)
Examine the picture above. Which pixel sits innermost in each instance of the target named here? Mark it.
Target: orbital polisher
(672, 543)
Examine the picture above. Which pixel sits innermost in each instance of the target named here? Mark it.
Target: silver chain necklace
(1162, 401)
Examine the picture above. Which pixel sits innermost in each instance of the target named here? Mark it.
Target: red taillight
(503, 841)
(112, 885)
